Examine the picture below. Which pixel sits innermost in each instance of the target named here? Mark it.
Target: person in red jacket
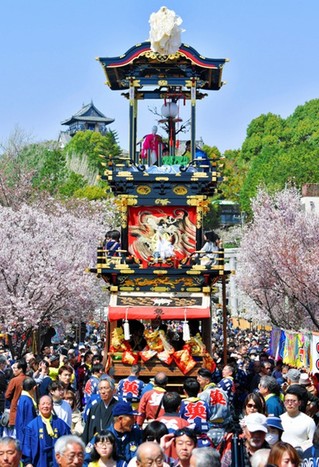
(150, 406)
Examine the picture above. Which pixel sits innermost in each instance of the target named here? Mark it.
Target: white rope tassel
(186, 333)
(126, 327)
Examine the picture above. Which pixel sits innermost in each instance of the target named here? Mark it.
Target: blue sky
(48, 67)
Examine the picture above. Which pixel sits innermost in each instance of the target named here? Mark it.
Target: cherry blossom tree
(43, 258)
(278, 262)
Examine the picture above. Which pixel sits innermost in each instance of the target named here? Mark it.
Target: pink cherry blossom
(278, 263)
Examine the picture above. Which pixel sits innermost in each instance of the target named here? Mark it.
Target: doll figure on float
(151, 147)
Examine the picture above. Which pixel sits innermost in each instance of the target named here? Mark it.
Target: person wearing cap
(254, 428)
(100, 415)
(298, 427)
(275, 430)
(255, 431)
(127, 434)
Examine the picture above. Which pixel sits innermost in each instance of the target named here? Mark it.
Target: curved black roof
(148, 68)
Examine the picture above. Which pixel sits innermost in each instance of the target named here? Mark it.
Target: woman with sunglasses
(254, 402)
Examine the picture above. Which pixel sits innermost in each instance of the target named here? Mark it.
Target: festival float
(159, 313)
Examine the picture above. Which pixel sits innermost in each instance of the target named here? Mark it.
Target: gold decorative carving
(160, 289)
(180, 190)
(162, 202)
(125, 174)
(123, 202)
(169, 282)
(143, 189)
(161, 58)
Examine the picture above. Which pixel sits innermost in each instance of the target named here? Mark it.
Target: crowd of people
(60, 408)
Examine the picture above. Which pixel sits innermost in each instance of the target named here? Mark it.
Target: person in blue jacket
(41, 435)
(201, 159)
(26, 408)
(130, 389)
(270, 390)
(128, 436)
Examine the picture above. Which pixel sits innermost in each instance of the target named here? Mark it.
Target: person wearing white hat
(255, 429)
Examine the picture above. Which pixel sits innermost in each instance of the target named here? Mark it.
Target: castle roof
(88, 113)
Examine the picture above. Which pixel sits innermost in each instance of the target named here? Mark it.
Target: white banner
(315, 353)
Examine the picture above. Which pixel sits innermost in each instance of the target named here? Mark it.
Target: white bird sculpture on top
(165, 32)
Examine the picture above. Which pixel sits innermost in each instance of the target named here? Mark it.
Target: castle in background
(88, 118)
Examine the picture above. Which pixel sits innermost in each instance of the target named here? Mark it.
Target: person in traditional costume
(41, 435)
(26, 409)
(100, 415)
(151, 146)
